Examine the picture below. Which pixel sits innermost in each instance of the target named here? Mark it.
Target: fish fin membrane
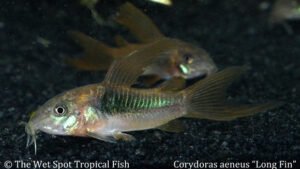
(206, 98)
(113, 138)
(149, 81)
(121, 41)
(97, 55)
(174, 126)
(126, 70)
(139, 24)
(174, 84)
(123, 137)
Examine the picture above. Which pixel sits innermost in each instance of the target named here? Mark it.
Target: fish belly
(144, 120)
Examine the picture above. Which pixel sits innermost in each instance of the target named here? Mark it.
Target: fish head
(63, 114)
(58, 116)
(192, 62)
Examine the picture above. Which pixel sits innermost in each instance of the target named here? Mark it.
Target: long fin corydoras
(186, 61)
(108, 110)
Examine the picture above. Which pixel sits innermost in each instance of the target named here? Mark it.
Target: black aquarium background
(34, 43)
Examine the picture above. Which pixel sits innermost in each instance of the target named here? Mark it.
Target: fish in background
(187, 61)
(108, 110)
(91, 5)
(284, 10)
(163, 2)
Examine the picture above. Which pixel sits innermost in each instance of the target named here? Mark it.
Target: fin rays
(126, 71)
(207, 98)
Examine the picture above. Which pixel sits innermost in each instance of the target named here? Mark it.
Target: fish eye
(60, 110)
(188, 58)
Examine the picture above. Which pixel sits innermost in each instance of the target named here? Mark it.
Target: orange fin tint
(127, 70)
(139, 24)
(98, 56)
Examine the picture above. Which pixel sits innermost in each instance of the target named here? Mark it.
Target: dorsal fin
(125, 71)
(139, 24)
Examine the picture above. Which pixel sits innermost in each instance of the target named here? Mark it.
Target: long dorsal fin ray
(139, 24)
(126, 71)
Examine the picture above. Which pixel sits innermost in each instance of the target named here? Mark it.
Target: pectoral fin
(123, 136)
(174, 126)
(112, 138)
(149, 80)
(174, 84)
(106, 138)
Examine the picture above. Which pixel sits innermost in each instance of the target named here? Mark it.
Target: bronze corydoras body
(106, 110)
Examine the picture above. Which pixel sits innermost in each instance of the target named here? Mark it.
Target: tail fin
(98, 56)
(206, 98)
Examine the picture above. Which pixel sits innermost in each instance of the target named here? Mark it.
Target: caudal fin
(207, 98)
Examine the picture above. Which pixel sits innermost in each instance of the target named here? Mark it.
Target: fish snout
(211, 68)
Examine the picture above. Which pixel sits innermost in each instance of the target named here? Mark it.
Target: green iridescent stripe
(117, 100)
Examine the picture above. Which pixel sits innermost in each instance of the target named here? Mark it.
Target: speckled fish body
(107, 110)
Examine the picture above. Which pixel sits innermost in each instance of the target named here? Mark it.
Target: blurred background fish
(91, 5)
(187, 61)
(284, 10)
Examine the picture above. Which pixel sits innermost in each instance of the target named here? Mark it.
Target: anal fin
(174, 126)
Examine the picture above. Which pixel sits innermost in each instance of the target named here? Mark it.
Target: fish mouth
(31, 136)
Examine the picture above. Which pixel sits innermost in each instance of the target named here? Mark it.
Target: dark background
(234, 32)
